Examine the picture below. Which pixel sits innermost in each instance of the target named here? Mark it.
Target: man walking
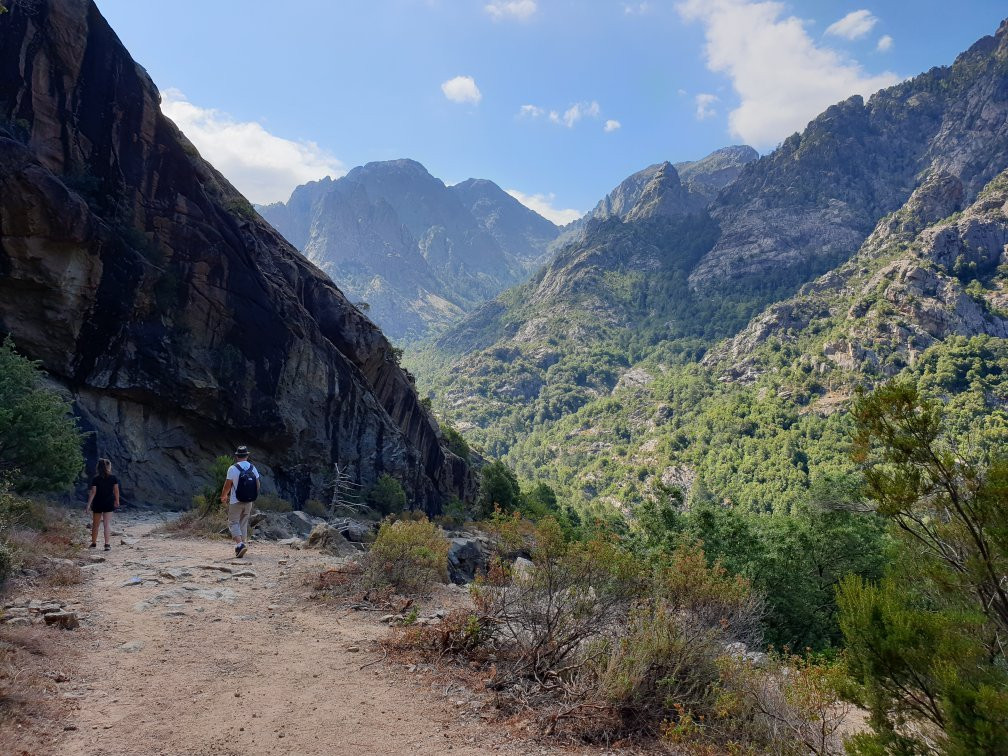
(240, 489)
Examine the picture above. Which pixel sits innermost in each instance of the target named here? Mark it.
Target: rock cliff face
(178, 321)
(809, 205)
(419, 253)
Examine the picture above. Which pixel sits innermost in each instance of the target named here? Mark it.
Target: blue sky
(554, 100)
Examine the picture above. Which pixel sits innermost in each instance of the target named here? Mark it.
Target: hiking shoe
(108, 547)
(93, 546)
(240, 551)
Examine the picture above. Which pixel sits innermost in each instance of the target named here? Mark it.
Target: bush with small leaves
(408, 555)
(387, 495)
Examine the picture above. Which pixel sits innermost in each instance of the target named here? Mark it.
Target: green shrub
(315, 508)
(386, 496)
(499, 489)
(217, 473)
(453, 512)
(408, 555)
(456, 443)
(40, 443)
(270, 503)
(6, 561)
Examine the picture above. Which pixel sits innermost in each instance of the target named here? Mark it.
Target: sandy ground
(183, 650)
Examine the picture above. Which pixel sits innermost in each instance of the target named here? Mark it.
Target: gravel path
(186, 651)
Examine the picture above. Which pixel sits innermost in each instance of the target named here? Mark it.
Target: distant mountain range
(419, 253)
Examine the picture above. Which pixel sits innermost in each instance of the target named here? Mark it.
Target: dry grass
(213, 524)
(31, 710)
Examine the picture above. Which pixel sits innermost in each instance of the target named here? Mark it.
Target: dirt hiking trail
(184, 650)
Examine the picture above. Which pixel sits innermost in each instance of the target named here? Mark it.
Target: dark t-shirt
(104, 500)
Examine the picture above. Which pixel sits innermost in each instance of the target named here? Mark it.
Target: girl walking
(103, 499)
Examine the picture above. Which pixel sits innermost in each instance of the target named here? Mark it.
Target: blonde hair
(104, 467)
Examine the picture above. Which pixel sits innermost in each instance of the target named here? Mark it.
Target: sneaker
(237, 549)
(108, 547)
(93, 546)
(240, 551)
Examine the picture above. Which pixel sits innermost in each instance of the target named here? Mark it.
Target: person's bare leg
(107, 521)
(95, 518)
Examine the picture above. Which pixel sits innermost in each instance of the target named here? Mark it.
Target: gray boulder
(329, 540)
(467, 557)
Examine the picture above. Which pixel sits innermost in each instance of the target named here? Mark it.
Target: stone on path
(66, 620)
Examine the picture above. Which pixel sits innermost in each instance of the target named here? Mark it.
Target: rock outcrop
(178, 321)
(930, 271)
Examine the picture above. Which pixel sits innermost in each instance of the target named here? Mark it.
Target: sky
(556, 101)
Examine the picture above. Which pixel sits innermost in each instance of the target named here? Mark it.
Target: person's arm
(115, 492)
(224, 494)
(90, 498)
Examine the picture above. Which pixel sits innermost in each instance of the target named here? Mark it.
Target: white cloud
(884, 43)
(570, 117)
(543, 204)
(577, 111)
(705, 106)
(612, 125)
(636, 9)
(521, 10)
(262, 166)
(681, 92)
(854, 25)
(782, 77)
(462, 89)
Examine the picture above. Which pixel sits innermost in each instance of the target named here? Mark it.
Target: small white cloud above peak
(580, 110)
(612, 125)
(543, 204)
(854, 25)
(569, 118)
(885, 43)
(462, 89)
(636, 9)
(520, 10)
(262, 166)
(705, 106)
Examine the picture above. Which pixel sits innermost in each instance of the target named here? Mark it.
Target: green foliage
(241, 207)
(216, 474)
(795, 560)
(456, 443)
(386, 496)
(926, 644)
(6, 562)
(40, 443)
(269, 503)
(315, 508)
(408, 555)
(499, 489)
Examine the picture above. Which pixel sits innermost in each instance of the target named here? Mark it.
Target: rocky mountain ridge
(787, 218)
(176, 319)
(420, 253)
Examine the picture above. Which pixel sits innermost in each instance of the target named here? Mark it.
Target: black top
(104, 500)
